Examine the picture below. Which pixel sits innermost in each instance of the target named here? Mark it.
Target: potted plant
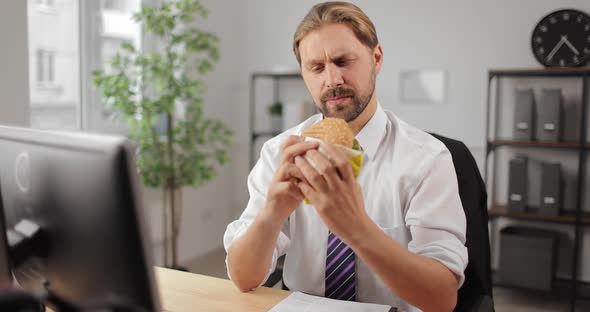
(159, 94)
(276, 116)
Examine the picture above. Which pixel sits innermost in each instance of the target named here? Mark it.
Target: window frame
(93, 116)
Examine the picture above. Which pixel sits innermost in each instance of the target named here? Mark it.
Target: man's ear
(378, 58)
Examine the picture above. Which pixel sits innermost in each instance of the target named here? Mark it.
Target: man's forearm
(420, 281)
(249, 257)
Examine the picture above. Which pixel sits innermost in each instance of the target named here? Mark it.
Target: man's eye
(317, 69)
(341, 63)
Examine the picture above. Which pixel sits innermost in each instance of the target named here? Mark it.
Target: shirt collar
(371, 134)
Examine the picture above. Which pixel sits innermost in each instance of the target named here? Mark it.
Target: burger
(332, 130)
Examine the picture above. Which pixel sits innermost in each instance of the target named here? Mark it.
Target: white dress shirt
(410, 191)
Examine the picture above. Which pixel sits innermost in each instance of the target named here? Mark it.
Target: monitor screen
(81, 189)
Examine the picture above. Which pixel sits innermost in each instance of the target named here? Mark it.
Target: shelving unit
(569, 218)
(507, 142)
(276, 78)
(578, 218)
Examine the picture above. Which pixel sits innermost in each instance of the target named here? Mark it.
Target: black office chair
(475, 295)
(277, 275)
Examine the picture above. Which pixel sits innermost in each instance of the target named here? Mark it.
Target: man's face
(339, 70)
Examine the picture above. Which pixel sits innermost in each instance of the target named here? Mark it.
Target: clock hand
(570, 45)
(557, 46)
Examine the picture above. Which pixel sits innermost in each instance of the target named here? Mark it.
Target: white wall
(463, 37)
(14, 80)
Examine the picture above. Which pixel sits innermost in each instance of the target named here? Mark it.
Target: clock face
(562, 39)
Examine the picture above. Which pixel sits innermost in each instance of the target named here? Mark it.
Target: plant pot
(276, 123)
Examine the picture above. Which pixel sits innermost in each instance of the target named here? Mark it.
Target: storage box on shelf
(538, 123)
(528, 257)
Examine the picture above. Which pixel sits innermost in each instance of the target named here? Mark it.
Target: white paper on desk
(300, 302)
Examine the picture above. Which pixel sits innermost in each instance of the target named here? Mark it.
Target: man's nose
(333, 76)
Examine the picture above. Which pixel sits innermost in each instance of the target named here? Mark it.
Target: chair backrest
(477, 288)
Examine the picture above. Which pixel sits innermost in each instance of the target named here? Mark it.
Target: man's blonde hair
(336, 12)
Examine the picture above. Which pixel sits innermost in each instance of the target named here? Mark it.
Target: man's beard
(346, 111)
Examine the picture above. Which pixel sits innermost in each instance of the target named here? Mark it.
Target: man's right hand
(284, 195)
(249, 257)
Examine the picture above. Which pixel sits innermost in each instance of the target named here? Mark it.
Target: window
(44, 6)
(45, 2)
(65, 47)
(45, 67)
(54, 58)
(117, 5)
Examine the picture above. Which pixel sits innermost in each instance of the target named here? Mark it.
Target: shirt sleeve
(259, 181)
(436, 218)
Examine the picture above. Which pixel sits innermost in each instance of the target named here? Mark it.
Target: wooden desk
(181, 291)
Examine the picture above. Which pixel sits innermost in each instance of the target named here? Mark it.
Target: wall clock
(562, 39)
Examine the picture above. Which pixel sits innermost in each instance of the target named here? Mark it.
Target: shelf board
(532, 72)
(562, 288)
(288, 75)
(508, 142)
(502, 211)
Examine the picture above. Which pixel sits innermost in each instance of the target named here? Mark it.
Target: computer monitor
(5, 274)
(81, 189)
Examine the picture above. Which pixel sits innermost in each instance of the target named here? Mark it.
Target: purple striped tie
(340, 270)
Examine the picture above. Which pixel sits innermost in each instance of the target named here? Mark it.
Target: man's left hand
(333, 190)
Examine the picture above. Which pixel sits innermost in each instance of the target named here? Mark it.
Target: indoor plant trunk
(171, 212)
(175, 207)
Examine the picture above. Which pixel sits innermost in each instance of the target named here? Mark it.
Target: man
(396, 234)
